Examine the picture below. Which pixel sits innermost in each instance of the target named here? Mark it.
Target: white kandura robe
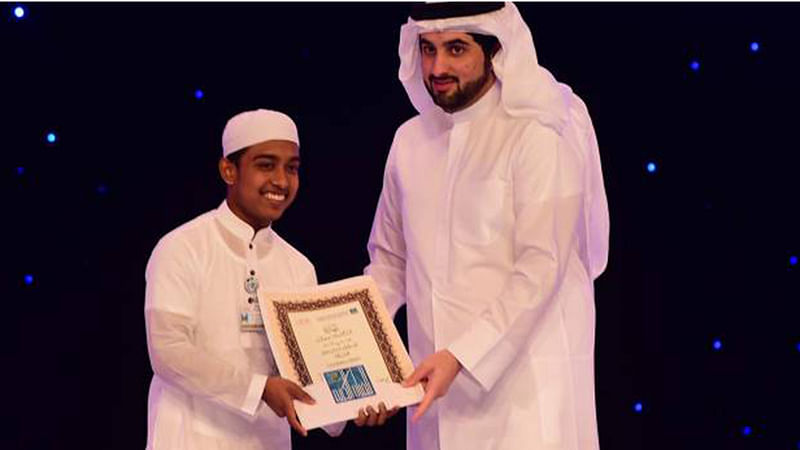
(492, 226)
(208, 375)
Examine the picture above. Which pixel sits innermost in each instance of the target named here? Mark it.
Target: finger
(280, 407)
(382, 414)
(298, 393)
(391, 413)
(372, 416)
(361, 419)
(291, 416)
(277, 409)
(423, 406)
(418, 374)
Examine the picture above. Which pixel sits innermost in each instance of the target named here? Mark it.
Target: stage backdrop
(111, 122)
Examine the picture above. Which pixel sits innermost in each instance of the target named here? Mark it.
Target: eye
(292, 169)
(265, 165)
(457, 50)
(428, 49)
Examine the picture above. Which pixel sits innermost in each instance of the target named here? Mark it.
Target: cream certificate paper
(338, 342)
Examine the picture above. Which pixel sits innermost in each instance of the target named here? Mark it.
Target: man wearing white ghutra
(491, 226)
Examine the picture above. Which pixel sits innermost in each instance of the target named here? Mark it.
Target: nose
(280, 179)
(440, 65)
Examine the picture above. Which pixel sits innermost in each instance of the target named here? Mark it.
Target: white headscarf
(527, 90)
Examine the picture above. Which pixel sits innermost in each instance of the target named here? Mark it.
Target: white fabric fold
(176, 358)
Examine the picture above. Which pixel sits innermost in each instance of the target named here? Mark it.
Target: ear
(227, 171)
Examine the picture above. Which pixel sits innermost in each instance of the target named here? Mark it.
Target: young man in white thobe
(213, 368)
(491, 226)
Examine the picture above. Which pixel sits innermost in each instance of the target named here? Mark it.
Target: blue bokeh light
(638, 407)
(793, 260)
(102, 189)
(717, 344)
(20, 170)
(651, 167)
(695, 65)
(51, 137)
(19, 12)
(29, 279)
(746, 430)
(198, 94)
(754, 47)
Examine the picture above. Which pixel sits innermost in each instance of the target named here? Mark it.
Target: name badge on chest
(250, 319)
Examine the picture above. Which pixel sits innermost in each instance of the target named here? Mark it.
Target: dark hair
(490, 44)
(236, 156)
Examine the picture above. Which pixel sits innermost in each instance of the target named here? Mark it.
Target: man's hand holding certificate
(338, 342)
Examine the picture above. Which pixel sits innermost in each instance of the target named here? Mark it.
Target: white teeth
(276, 197)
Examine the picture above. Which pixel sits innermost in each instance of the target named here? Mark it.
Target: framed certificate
(338, 342)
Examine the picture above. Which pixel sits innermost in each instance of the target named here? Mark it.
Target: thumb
(299, 394)
(419, 373)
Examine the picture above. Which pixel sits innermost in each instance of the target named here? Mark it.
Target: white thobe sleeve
(308, 275)
(170, 311)
(548, 198)
(386, 245)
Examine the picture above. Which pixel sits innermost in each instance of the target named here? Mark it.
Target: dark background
(701, 249)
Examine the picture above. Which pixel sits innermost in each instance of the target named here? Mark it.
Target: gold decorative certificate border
(283, 308)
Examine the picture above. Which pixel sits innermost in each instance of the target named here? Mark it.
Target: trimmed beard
(461, 97)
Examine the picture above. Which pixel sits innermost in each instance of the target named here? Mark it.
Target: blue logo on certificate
(349, 384)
